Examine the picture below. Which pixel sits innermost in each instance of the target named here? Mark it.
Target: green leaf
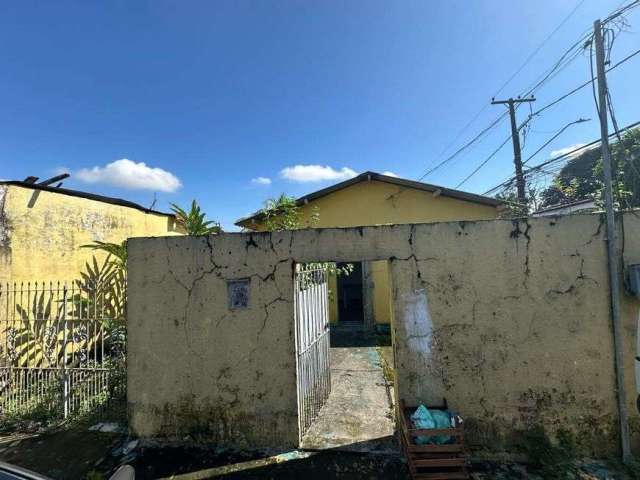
(194, 222)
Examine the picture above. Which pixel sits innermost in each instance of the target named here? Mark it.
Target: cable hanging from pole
(584, 41)
(566, 155)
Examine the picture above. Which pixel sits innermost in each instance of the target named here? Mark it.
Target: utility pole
(612, 243)
(515, 136)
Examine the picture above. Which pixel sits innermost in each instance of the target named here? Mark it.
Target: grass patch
(553, 460)
(386, 362)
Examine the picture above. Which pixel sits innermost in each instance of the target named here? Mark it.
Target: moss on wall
(509, 320)
(41, 232)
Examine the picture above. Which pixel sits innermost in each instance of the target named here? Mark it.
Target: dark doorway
(350, 296)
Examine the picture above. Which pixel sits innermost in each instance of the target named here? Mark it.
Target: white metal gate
(55, 341)
(312, 341)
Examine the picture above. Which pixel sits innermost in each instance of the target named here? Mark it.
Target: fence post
(64, 373)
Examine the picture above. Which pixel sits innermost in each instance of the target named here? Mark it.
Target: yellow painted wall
(41, 232)
(381, 292)
(377, 203)
(368, 203)
(513, 330)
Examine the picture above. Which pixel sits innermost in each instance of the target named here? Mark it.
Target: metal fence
(55, 340)
(312, 342)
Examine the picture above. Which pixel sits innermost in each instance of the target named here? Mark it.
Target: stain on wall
(509, 320)
(41, 232)
(5, 241)
(201, 368)
(378, 203)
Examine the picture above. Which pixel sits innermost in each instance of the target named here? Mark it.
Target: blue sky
(212, 96)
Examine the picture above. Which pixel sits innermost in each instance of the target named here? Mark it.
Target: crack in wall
(515, 234)
(482, 337)
(596, 234)
(189, 289)
(580, 276)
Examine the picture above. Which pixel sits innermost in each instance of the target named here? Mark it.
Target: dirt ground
(79, 454)
(62, 455)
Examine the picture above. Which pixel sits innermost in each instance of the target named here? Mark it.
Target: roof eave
(369, 176)
(86, 195)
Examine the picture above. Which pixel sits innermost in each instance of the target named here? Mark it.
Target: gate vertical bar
(312, 342)
(65, 380)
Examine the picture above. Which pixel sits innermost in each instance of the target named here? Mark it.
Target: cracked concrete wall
(197, 367)
(509, 320)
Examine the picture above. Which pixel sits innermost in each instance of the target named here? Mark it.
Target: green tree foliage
(106, 284)
(55, 320)
(116, 251)
(516, 209)
(283, 213)
(582, 177)
(194, 221)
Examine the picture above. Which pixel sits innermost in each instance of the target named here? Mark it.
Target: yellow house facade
(363, 297)
(42, 229)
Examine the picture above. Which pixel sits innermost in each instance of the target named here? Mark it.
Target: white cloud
(390, 174)
(128, 174)
(261, 181)
(316, 173)
(570, 148)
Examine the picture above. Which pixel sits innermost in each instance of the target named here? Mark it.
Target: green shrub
(554, 460)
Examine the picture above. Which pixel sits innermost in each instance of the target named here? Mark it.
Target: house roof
(587, 202)
(89, 196)
(401, 182)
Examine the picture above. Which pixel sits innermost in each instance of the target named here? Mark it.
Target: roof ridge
(402, 182)
(89, 196)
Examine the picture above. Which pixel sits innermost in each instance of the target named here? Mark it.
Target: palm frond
(194, 221)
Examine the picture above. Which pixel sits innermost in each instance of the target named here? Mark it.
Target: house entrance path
(358, 415)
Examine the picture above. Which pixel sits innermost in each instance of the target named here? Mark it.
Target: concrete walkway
(358, 415)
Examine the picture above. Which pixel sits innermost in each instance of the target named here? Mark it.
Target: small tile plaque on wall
(238, 292)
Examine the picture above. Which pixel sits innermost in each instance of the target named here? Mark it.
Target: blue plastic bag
(425, 418)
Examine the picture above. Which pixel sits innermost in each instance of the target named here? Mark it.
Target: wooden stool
(432, 462)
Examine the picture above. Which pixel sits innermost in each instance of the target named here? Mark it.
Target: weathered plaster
(200, 368)
(509, 320)
(381, 203)
(42, 232)
(5, 237)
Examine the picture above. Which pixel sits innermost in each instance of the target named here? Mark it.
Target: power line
(465, 146)
(562, 63)
(580, 120)
(558, 66)
(567, 58)
(581, 86)
(557, 159)
(484, 162)
(564, 96)
(485, 106)
(620, 11)
(493, 154)
(539, 47)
